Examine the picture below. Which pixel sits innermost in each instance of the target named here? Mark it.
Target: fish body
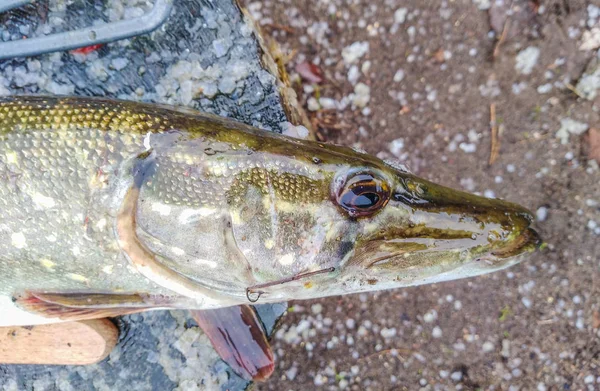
(172, 208)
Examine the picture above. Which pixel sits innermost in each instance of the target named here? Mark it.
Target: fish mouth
(528, 241)
(445, 250)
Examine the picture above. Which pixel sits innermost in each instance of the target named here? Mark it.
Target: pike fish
(111, 207)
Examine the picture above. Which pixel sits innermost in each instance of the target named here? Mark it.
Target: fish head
(265, 216)
(387, 228)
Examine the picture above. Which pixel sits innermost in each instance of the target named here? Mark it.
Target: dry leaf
(594, 144)
(310, 72)
(439, 56)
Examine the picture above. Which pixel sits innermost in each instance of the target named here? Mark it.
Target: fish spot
(108, 269)
(162, 209)
(147, 144)
(12, 157)
(48, 264)
(236, 218)
(269, 243)
(18, 240)
(287, 259)
(177, 251)
(76, 251)
(77, 277)
(51, 238)
(101, 224)
(43, 201)
(211, 264)
(187, 215)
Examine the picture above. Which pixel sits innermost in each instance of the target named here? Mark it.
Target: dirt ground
(415, 81)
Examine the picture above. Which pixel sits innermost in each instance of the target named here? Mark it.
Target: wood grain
(72, 343)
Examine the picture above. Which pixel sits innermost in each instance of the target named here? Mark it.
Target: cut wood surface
(71, 343)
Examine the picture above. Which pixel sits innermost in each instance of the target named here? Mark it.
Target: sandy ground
(415, 80)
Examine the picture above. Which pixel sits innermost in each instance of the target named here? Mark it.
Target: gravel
(431, 81)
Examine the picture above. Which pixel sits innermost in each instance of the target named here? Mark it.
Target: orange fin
(80, 306)
(238, 336)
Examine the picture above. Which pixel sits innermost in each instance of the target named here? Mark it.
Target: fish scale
(48, 203)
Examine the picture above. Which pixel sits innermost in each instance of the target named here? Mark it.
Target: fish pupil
(366, 200)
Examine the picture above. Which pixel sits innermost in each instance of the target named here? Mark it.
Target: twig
(387, 352)
(504, 33)
(501, 39)
(276, 26)
(574, 90)
(495, 146)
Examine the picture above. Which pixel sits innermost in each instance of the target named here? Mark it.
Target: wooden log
(73, 343)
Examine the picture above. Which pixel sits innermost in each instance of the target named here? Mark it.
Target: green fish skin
(187, 210)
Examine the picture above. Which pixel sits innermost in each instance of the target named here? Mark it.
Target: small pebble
(350, 323)
(487, 347)
(320, 380)
(302, 325)
(399, 75)
(527, 59)
(542, 213)
(400, 15)
(316, 308)
(430, 316)
(313, 105)
(291, 373)
(456, 376)
(119, 63)
(545, 88)
(388, 333)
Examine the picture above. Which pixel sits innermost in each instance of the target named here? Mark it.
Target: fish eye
(363, 193)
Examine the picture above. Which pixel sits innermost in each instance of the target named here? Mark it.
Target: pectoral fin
(238, 336)
(80, 306)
